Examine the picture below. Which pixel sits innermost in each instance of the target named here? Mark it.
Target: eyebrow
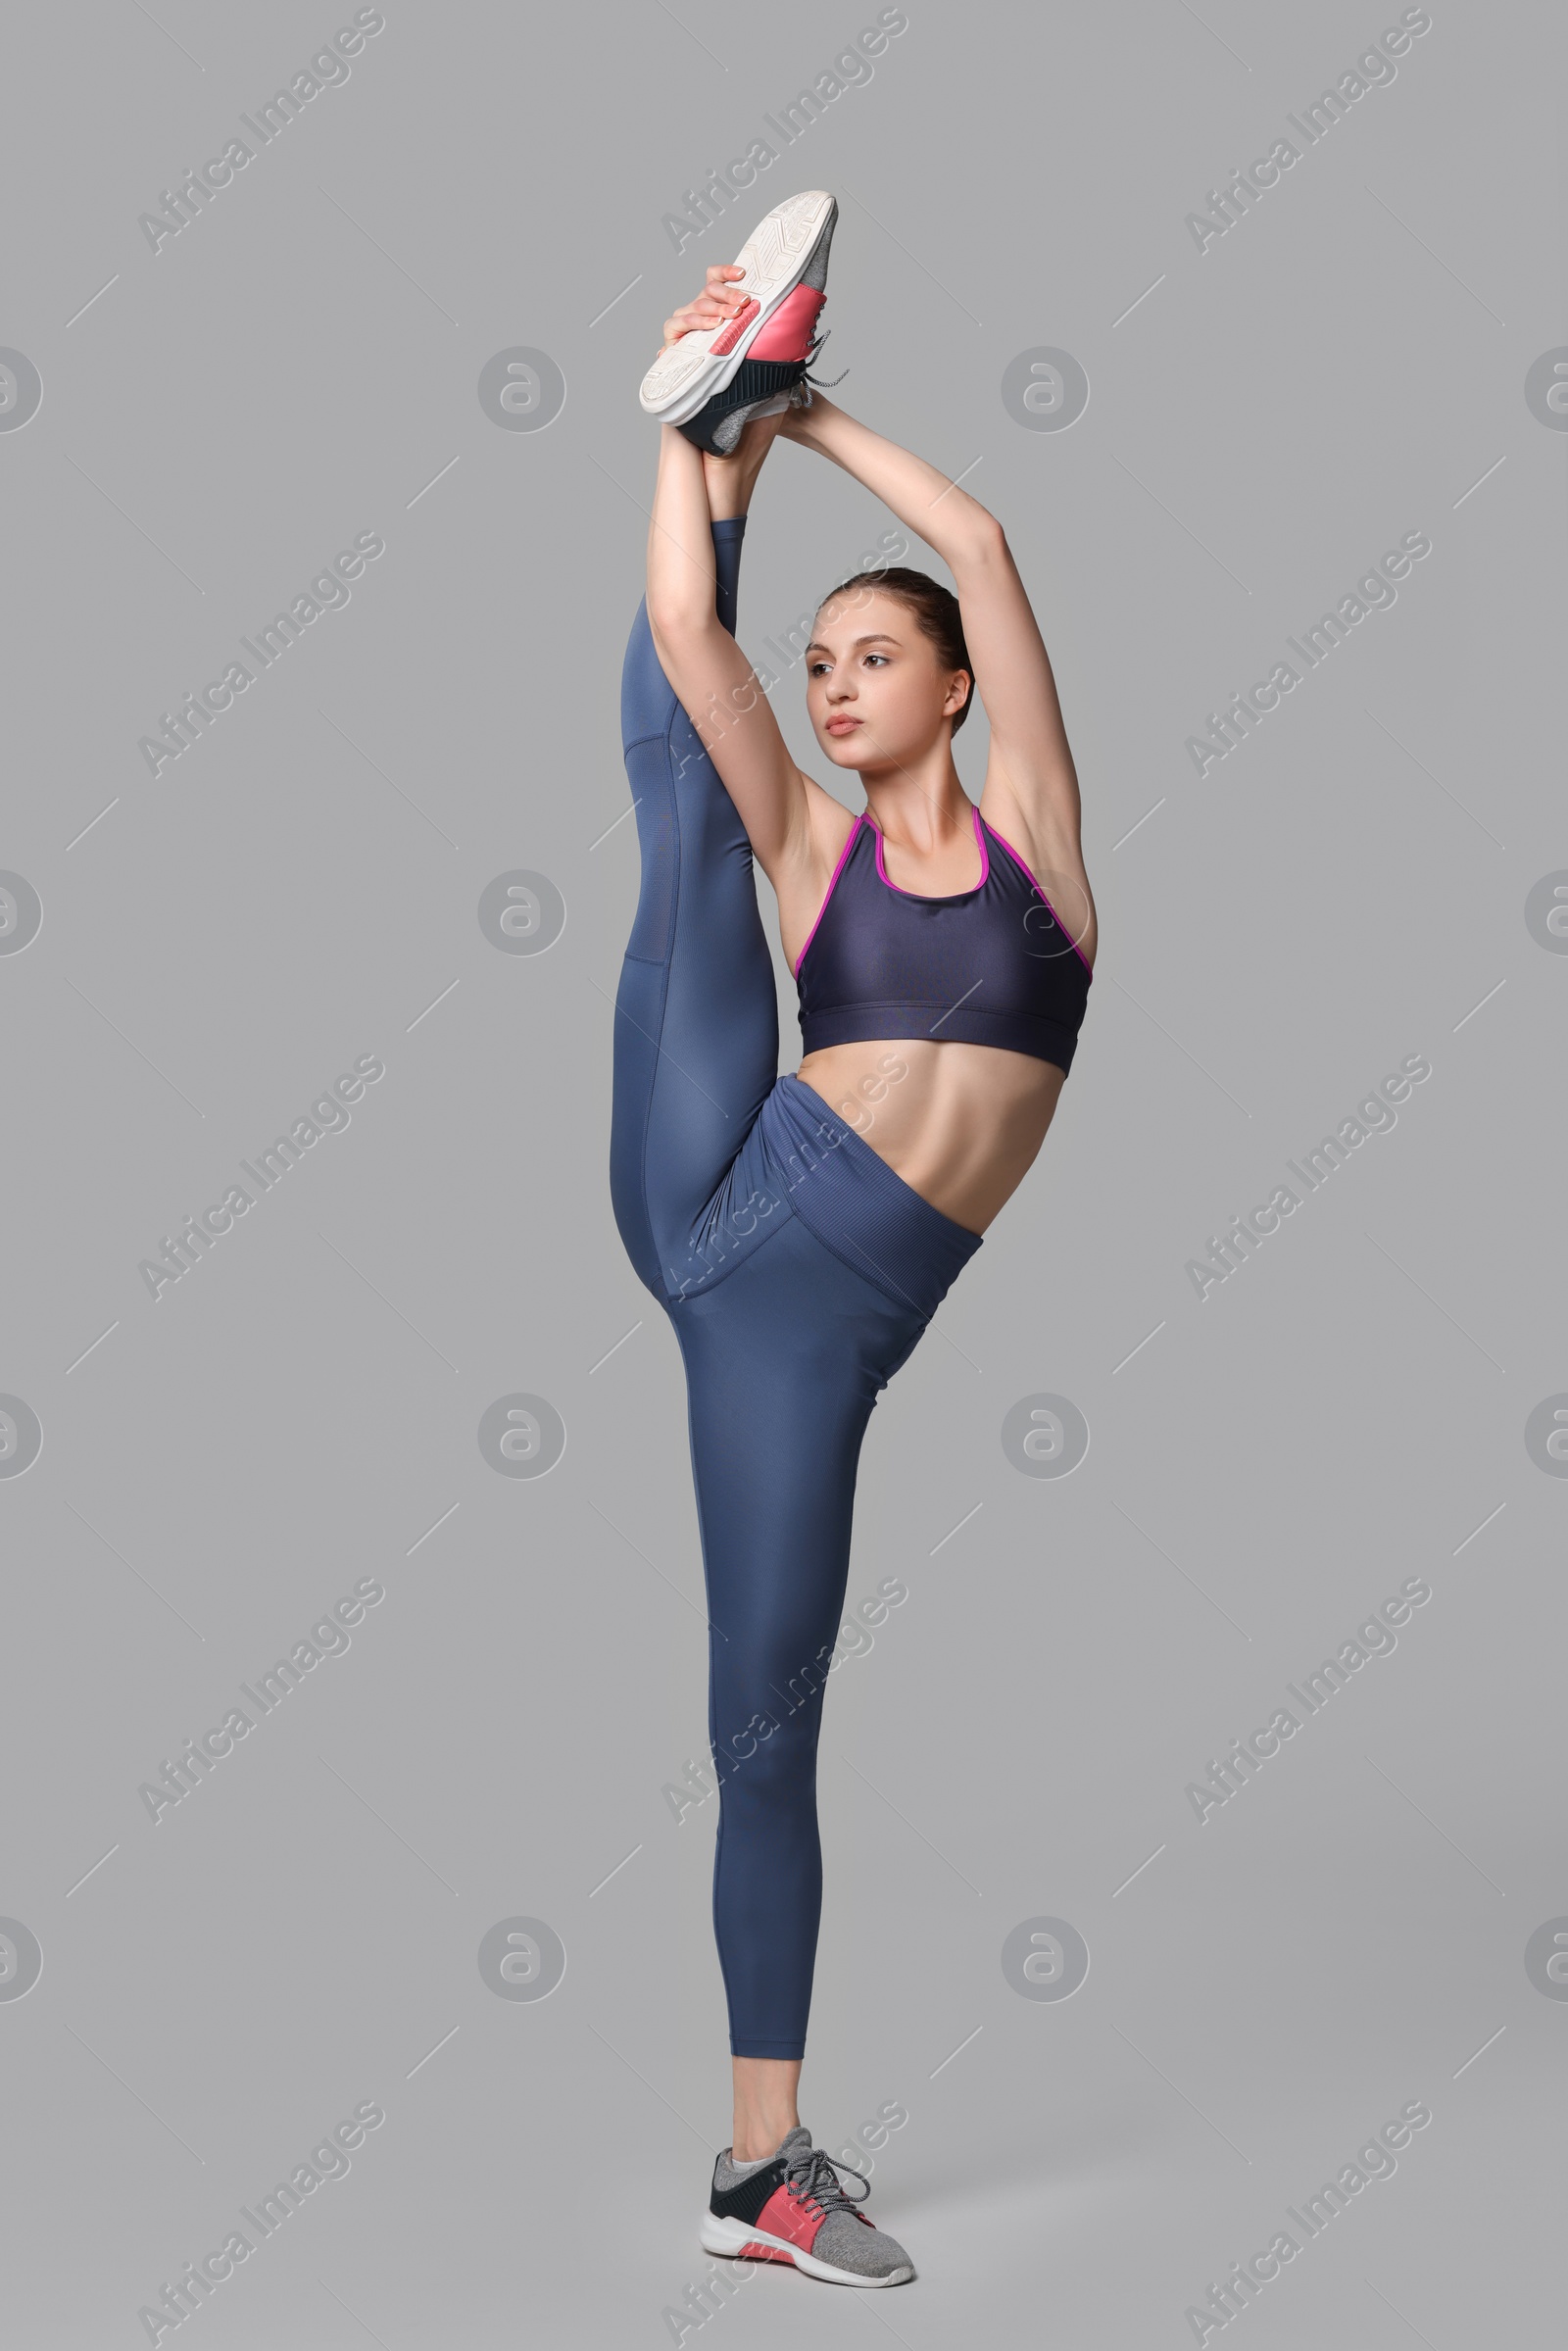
(879, 636)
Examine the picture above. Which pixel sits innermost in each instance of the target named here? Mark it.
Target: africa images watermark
(1374, 69)
(1246, 713)
(803, 1687)
(851, 68)
(199, 2281)
(329, 1637)
(327, 1115)
(1245, 1235)
(327, 593)
(737, 1220)
(789, 646)
(891, 549)
(1376, 1638)
(327, 70)
(1247, 2279)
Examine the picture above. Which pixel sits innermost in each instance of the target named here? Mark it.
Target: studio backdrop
(1190, 1775)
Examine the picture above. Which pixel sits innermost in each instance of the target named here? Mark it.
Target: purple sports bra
(991, 966)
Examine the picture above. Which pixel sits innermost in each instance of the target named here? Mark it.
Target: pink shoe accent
(725, 343)
(788, 333)
(787, 2216)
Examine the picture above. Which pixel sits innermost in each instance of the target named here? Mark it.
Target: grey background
(300, 888)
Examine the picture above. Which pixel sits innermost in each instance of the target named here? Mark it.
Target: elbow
(663, 609)
(985, 542)
(993, 539)
(672, 620)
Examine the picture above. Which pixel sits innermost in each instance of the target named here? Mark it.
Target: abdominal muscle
(962, 1124)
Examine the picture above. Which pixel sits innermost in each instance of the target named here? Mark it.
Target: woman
(800, 1231)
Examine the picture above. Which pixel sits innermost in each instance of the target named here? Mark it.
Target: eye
(816, 668)
(876, 656)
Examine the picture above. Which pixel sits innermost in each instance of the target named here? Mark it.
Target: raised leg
(696, 1045)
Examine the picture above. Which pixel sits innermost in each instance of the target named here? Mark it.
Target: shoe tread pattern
(773, 250)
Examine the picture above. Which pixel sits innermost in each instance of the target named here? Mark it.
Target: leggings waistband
(856, 1204)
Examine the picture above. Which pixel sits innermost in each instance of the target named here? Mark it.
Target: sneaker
(775, 259)
(792, 2208)
(775, 373)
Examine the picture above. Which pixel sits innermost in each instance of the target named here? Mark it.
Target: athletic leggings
(799, 1272)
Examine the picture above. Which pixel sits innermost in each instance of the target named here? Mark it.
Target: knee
(771, 1767)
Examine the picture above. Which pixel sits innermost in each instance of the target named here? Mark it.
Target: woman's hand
(719, 299)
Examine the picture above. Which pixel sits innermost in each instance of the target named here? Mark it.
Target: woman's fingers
(687, 320)
(719, 299)
(693, 315)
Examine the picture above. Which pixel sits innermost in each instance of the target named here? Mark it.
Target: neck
(918, 813)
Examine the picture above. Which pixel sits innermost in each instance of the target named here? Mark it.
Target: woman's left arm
(1031, 765)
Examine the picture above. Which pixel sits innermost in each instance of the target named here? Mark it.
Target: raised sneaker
(775, 373)
(775, 258)
(792, 2208)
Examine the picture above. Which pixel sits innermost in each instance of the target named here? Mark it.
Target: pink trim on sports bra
(985, 871)
(1066, 934)
(836, 870)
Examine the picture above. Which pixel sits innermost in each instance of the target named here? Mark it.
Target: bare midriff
(962, 1124)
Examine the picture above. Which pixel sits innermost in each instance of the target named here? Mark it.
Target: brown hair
(936, 610)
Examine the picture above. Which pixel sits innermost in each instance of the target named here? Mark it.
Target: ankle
(752, 2141)
(765, 2105)
(729, 493)
(730, 480)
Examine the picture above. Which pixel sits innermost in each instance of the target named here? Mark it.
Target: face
(876, 691)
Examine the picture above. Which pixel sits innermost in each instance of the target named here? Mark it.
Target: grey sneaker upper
(847, 2238)
(815, 273)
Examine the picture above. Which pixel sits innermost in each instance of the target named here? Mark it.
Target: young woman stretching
(800, 1231)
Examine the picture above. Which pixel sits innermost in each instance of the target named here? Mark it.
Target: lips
(841, 726)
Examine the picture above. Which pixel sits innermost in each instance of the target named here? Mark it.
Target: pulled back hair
(936, 612)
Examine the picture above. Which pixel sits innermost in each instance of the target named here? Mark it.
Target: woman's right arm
(713, 679)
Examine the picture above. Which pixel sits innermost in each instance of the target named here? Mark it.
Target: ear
(958, 692)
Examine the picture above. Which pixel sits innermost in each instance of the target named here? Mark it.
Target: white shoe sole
(683, 378)
(732, 2237)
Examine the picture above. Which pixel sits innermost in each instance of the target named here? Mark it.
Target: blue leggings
(799, 1272)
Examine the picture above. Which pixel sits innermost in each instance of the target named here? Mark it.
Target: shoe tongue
(800, 2137)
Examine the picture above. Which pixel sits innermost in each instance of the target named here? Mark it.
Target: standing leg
(783, 1364)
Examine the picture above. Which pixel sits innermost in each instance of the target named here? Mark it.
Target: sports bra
(992, 966)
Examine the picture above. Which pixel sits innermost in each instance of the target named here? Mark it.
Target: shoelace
(804, 385)
(813, 2176)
